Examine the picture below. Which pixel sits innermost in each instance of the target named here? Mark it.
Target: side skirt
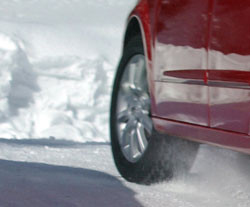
(226, 139)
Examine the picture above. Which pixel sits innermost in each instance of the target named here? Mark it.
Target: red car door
(229, 65)
(180, 60)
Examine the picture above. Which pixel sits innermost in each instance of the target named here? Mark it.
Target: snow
(57, 62)
(47, 172)
(57, 65)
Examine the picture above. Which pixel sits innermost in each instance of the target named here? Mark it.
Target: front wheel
(141, 154)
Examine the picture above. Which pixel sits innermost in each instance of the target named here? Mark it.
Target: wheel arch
(133, 29)
(136, 26)
(140, 21)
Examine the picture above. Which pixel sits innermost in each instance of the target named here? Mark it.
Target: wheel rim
(134, 124)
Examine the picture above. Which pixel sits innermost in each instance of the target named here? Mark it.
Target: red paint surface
(231, 140)
(206, 41)
(186, 74)
(230, 76)
(181, 55)
(227, 76)
(229, 58)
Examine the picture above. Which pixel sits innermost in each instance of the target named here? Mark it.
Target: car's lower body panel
(227, 139)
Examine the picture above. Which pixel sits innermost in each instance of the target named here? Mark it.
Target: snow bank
(17, 83)
(74, 101)
(57, 62)
(64, 98)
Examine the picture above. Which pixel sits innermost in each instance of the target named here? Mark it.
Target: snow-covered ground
(57, 62)
(53, 173)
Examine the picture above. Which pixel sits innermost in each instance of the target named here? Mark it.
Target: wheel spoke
(126, 150)
(134, 152)
(136, 75)
(141, 78)
(126, 133)
(136, 70)
(146, 121)
(132, 75)
(142, 141)
(141, 64)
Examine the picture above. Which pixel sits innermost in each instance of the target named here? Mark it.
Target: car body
(198, 63)
(183, 79)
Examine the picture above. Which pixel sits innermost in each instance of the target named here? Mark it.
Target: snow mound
(57, 61)
(74, 101)
(17, 78)
(61, 97)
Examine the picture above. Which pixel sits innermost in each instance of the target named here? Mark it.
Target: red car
(183, 79)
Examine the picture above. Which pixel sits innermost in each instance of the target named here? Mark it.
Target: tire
(141, 154)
